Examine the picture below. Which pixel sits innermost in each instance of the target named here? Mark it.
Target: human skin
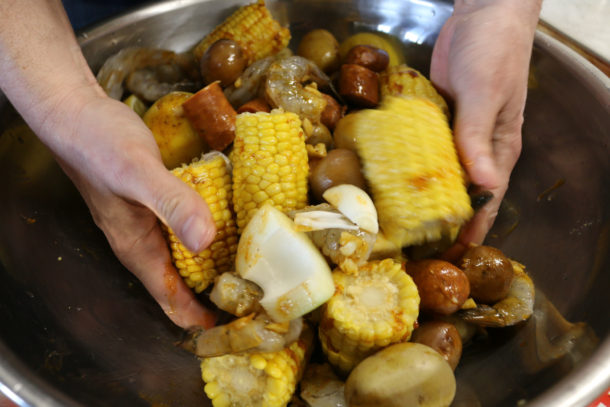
(106, 149)
(481, 62)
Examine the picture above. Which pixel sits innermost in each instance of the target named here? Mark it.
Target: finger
(178, 206)
(473, 128)
(149, 260)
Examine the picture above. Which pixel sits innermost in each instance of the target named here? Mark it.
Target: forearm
(526, 11)
(41, 66)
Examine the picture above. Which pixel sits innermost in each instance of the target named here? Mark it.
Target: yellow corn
(210, 177)
(410, 161)
(269, 163)
(253, 28)
(256, 379)
(371, 309)
(402, 80)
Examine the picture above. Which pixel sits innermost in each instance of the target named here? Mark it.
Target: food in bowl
(277, 241)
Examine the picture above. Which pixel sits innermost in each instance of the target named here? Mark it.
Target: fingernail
(480, 199)
(195, 234)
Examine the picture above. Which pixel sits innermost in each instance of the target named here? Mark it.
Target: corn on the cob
(269, 163)
(371, 309)
(256, 379)
(410, 162)
(403, 80)
(253, 28)
(210, 177)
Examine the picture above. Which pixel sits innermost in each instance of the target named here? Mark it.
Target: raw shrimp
(247, 334)
(518, 306)
(248, 85)
(285, 87)
(344, 243)
(150, 73)
(237, 296)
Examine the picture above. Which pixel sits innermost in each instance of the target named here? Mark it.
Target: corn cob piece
(211, 178)
(269, 163)
(371, 309)
(402, 80)
(253, 28)
(410, 162)
(256, 379)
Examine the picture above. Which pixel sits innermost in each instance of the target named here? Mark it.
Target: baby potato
(489, 271)
(321, 47)
(344, 135)
(442, 337)
(338, 167)
(177, 139)
(404, 374)
(224, 61)
(442, 287)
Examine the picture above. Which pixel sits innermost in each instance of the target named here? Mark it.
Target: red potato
(489, 271)
(359, 86)
(212, 116)
(369, 57)
(224, 61)
(443, 288)
(441, 336)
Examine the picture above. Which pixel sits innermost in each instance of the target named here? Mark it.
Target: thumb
(474, 125)
(179, 207)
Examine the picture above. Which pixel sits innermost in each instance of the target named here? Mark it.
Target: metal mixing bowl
(78, 330)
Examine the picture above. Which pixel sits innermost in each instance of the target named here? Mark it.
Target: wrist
(528, 10)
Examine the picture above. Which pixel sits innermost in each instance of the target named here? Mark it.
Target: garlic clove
(355, 204)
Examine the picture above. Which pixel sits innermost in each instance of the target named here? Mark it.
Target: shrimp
(340, 240)
(148, 72)
(248, 86)
(253, 333)
(518, 306)
(237, 296)
(285, 88)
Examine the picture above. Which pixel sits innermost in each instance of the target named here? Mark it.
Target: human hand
(480, 61)
(113, 159)
(107, 151)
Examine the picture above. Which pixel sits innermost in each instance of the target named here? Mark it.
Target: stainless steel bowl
(78, 330)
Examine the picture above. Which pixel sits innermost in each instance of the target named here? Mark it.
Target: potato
(224, 61)
(441, 336)
(321, 47)
(338, 167)
(404, 374)
(177, 139)
(443, 288)
(489, 271)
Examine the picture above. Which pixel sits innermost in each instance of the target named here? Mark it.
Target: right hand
(113, 159)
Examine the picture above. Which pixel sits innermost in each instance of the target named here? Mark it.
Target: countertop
(585, 22)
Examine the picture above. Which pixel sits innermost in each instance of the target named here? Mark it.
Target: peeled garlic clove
(294, 276)
(355, 204)
(320, 220)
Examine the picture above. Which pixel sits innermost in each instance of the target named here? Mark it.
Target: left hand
(481, 62)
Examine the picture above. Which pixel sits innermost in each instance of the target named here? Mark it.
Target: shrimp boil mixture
(335, 186)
